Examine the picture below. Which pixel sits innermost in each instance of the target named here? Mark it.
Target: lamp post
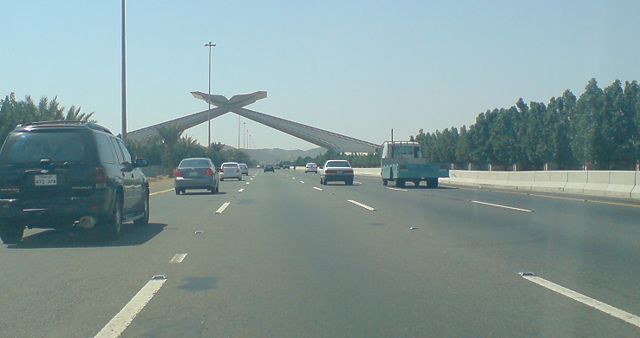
(210, 44)
(124, 78)
(244, 133)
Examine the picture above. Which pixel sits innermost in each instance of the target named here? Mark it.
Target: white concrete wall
(619, 184)
(372, 172)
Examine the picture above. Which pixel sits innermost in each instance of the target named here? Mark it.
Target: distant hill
(275, 155)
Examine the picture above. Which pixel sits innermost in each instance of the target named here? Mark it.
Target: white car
(244, 168)
(336, 170)
(311, 168)
(230, 170)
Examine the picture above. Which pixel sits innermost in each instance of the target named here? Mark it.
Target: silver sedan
(196, 173)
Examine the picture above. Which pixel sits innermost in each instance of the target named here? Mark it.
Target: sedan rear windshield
(194, 164)
(338, 164)
(230, 165)
(56, 146)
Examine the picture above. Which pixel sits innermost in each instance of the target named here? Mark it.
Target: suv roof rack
(91, 125)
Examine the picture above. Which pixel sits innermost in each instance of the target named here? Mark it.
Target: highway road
(288, 257)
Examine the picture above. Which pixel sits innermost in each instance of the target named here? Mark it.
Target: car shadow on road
(132, 235)
(204, 193)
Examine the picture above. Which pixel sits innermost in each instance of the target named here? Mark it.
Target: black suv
(62, 174)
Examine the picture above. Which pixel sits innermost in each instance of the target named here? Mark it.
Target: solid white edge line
(397, 189)
(501, 206)
(123, 319)
(222, 207)
(317, 188)
(241, 190)
(160, 192)
(596, 304)
(178, 258)
(362, 205)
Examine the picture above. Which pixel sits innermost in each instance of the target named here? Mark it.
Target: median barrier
(463, 177)
(372, 172)
(484, 178)
(635, 192)
(522, 180)
(576, 180)
(621, 183)
(597, 183)
(553, 181)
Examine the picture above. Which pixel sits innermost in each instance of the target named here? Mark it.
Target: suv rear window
(57, 146)
(194, 164)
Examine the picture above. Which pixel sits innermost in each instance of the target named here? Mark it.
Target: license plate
(45, 180)
(340, 172)
(193, 174)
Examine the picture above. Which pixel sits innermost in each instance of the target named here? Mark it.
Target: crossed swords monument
(323, 138)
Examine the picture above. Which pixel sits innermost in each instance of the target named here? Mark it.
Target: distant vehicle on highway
(284, 165)
(244, 168)
(311, 168)
(61, 174)
(268, 167)
(230, 170)
(337, 170)
(403, 162)
(196, 173)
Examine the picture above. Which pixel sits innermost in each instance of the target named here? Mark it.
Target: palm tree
(73, 114)
(170, 136)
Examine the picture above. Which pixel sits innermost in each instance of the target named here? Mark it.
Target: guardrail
(619, 184)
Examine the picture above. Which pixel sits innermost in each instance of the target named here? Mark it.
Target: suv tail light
(178, 173)
(101, 178)
(330, 171)
(208, 172)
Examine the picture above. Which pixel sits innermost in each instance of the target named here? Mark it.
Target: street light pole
(210, 44)
(124, 77)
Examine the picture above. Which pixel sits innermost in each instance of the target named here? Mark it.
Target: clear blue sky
(353, 67)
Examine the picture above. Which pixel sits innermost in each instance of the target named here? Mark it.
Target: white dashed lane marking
(502, 206)
(160, 192)
(362, 205)
(222, 207)
(123, 319)
(178, 258)
(594, 303)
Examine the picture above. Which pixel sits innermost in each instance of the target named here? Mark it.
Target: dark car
(196, 173)
(268, 167)
(63, 174)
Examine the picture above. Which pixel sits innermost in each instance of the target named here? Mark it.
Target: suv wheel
(113, 228)
(145, 219)
(11, 233)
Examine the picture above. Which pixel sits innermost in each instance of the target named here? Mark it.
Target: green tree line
(598, 130)
(356, 160)
(14, 112)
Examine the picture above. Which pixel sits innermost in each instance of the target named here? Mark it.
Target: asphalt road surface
(288, 257)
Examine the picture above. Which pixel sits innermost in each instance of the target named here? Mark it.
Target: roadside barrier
(619, 184)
